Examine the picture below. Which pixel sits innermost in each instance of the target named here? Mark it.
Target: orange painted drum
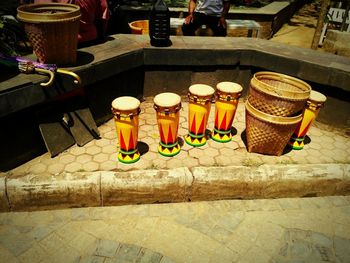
(126, 112)
(227, 95)
(313, 105)
(167, 106)
(200, 97)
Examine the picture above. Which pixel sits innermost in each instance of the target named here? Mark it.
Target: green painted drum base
(196, 142)
(296, 143)
(222, 138)
(169, 151)
(129, 158)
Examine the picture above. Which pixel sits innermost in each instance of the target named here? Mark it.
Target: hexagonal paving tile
(108, 165)
(226, 151)
(207, 161)
(102, 142)
(190, 162)
(38, 168)
(84, 158)
(103, 129)
(196, 152)
(93, 150)
(101, 157)
(67, 158)
(109, 149)
(73, 167)
(56, 168)
(158, 164)
(211, 152)
(90, 166)
(110, 135)
(75, 150)
(174, 163)
(313, 131)
(150, 156)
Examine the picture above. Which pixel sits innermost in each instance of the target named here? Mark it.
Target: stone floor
(279, 230)
(325, 146)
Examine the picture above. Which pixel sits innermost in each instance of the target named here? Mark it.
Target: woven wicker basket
(52, 30)
(278, 94)
(268, 134)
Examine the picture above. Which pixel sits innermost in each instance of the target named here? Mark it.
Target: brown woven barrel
(278, 94)
(268, 134)
(52, 29)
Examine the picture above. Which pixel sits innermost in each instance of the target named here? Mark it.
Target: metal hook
(47, 72)
(77, 79)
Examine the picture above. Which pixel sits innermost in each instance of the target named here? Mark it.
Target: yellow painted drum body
(200, 97)
(313, 106)
(126, 112)
(227, 95)
(167, 106)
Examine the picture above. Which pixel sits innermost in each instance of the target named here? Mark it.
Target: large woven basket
(266, 133)
(52, 29)
(278, 94)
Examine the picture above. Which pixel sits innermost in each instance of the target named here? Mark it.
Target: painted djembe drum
(200, 97)
(126, 112)
(167, 106)
(313, 106)
(227, 95)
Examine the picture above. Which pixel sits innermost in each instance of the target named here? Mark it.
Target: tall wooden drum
(313, 105)
(227, 95)
(167, 106)
(200, 97)
(126, 112)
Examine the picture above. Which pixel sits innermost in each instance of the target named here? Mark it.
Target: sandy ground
(301, 28)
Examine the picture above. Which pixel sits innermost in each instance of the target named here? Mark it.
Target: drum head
(229, 87)
(167, 99)
(317, 96)
(201, 90)
(125, 103)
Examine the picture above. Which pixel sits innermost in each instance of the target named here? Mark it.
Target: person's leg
(190, 29)
(212, 22)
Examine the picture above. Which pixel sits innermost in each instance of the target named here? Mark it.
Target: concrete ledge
(270, 181)
(4, 206)
(177, 185)
(124, 52)
(33, 192)
(147, 186)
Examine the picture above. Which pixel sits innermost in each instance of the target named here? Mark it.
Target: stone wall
(337, 42)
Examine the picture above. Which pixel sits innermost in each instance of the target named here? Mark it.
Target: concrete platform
(242, 231)
(92, 176)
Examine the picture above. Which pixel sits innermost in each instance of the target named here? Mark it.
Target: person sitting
(211, 13)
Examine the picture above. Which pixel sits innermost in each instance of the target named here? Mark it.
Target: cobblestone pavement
(326, 146)
(278, 230)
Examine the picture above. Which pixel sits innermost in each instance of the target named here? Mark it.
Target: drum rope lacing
(131, 115)
(205, 100)
(167, 111)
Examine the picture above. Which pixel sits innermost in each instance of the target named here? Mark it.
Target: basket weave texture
(266, 134)
(55, 42)
(274, 105)
(278, 94)
(52, 29)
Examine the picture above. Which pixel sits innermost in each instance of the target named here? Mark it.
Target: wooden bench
(334, 16)
(253, 28)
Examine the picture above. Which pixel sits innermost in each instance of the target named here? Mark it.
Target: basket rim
(25, 13)
(272, 118)
(277, 92)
